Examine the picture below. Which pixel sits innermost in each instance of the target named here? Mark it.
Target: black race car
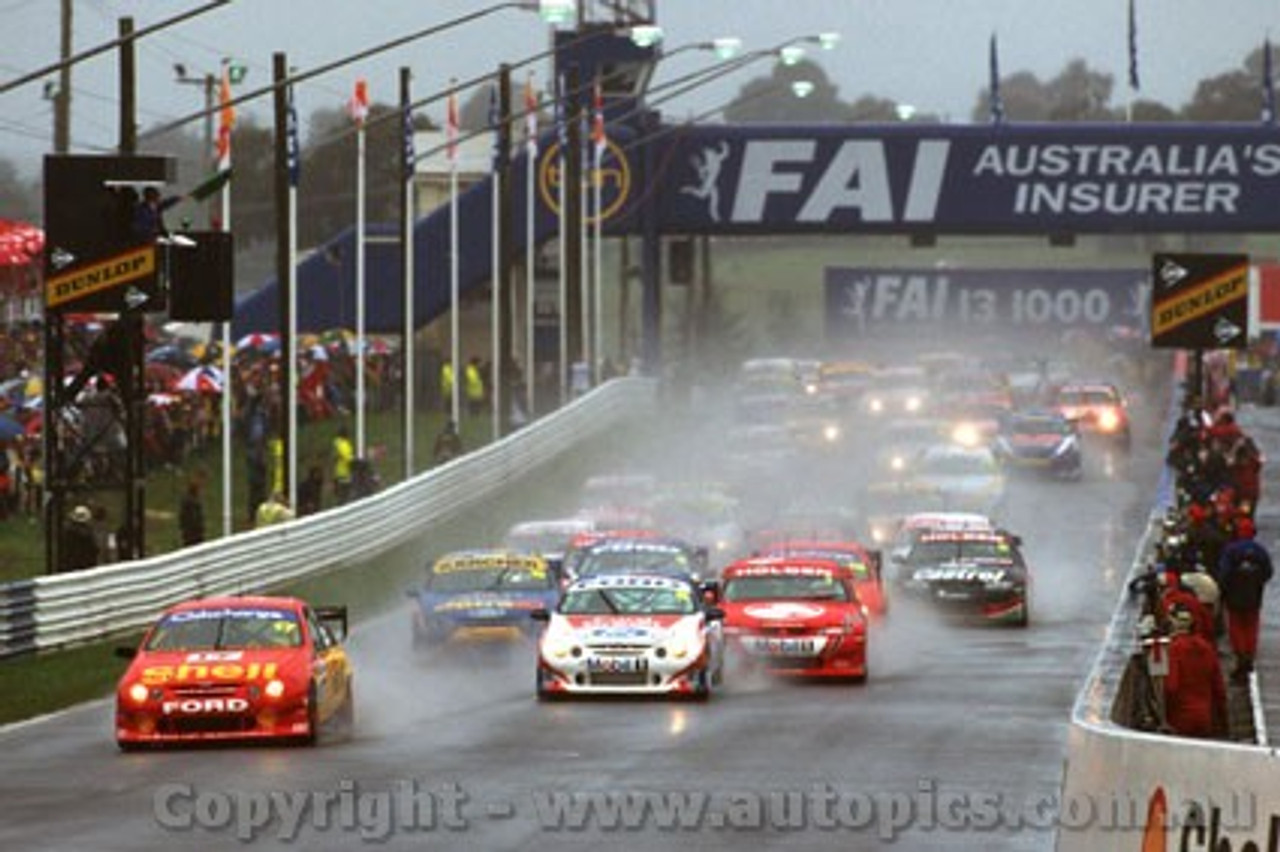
(968, 573)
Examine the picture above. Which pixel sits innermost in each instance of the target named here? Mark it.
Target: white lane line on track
(49, 717)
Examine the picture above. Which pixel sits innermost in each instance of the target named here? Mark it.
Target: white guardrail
(66, 609)
(1139, 792)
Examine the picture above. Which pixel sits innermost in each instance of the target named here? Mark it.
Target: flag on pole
(597, 120)
(213, 184)
(495, 124)
(997, 102)
(562, 129)
(451, 127)
(226, 120)
(1133, 46)
(294, 155)
(530, 117)
(358, 106)
(1268, 85)
(406, 122)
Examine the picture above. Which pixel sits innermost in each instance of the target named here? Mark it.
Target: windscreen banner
(974, 179)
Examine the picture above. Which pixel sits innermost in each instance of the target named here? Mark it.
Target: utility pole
(505, 368)
(135, 500)
(284, 263)
(62, 98)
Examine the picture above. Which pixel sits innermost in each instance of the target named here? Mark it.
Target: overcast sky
(929, 53)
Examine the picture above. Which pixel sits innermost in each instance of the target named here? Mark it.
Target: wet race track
(956, 740)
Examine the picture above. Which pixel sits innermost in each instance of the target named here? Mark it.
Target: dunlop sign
(1200, 301)
(100, 285)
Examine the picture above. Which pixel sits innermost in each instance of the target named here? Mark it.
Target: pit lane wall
(1139, 792)
(62, 610)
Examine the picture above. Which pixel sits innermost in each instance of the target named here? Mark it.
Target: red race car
(863, 564)
(797, 616)
(236, 668)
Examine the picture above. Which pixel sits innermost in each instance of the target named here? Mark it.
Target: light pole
(210, 83)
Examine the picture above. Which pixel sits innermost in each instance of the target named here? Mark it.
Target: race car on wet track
(967, 573)
(864, 566)
(481, 595)
(236, 668)
(795, 615)
(630, 634)
(1042, 441)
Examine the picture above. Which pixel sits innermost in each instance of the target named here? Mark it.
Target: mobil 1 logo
(1199, 301)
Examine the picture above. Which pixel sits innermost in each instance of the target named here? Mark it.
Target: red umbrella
(20, 243)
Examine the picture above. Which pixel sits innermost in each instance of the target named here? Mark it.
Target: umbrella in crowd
(20, 243)
(264, 343)
(177, 356)
(206, 379)
(10, 428)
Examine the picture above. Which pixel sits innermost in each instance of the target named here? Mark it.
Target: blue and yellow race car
(481, 595)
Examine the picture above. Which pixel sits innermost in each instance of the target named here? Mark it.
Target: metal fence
(68, 609)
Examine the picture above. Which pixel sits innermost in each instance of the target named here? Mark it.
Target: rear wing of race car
(334, 618)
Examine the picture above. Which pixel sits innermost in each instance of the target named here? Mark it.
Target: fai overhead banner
(1200, 301)
(859, 299)
(969, 179)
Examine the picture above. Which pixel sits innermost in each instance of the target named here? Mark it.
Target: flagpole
(563, 296)
(407, 209)
(292, 353)
(495, 302)
(455, 402)
(361, 451)
(530, 255)
(598, 274)
(224, 218)
(1134, 83)
(584, 263)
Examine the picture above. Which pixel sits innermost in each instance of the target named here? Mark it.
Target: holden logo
(1224, 330)
(783, 610)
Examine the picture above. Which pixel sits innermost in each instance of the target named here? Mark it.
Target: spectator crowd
(1202, 594)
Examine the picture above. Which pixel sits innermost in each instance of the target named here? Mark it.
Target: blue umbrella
(10, 428)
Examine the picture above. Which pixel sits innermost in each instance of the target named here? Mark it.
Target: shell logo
(614, 178)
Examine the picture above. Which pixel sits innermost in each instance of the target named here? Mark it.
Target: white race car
(634, 634)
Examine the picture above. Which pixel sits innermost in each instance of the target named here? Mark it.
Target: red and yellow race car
(797, 616)
(237, 668)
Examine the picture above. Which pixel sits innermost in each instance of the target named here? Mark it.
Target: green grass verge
(31, 686)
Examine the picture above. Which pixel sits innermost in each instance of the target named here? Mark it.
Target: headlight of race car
(966, 434)
(876, 405)
(1108, 420)
(557, 647)
(913, 404)
(831, 432)
(680, 645)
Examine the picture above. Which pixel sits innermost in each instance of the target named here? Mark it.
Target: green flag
(211, 185)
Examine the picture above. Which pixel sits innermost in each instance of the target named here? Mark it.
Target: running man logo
(1206, 306)
(614, 179)
(79, 284)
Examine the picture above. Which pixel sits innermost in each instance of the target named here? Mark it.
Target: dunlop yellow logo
(102, 275)
(1205, 298)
